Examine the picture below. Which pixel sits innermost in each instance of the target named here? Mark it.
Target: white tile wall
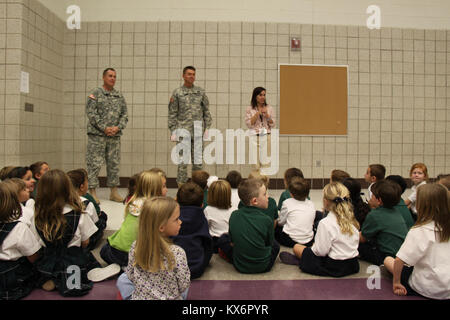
(398, 102)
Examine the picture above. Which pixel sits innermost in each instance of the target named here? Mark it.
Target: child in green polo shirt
(271, 210)
(384, 229)
(250, 244)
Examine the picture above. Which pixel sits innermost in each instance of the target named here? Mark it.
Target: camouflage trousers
(99, 150)
(195, 153)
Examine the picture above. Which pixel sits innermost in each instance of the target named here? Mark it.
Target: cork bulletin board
(313, 100)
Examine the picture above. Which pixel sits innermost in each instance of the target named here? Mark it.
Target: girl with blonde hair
(150, 184)
(157, 268)
(335, 249)
(63, 229)
(426, 248)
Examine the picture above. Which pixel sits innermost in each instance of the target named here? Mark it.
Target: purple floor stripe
(105, 290)
(311, 289)
(322, 289)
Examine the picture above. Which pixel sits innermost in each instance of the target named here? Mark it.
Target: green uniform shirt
(387, 227)
(406, 214)
(186, 106)
(123, 238)
(205, 198)
(251, 232)
(91, 199)
(271, 211)
(105, 109)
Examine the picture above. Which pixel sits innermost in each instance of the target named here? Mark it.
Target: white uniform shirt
(20, 242)
(27, 215)
(235, 199)
(90, 210)
(330, 241)
(431, 261)
(413, 196)
(218, 220)
(369, 190)
(86, 228)
(297, 218)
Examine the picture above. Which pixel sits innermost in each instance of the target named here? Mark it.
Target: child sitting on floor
(219, 210)
(250, 245)
(63, 229)
(335, 249)
(201, 177)
(194, 235)
(80, 183)
(18, 248)
(234, 178)
(384, 229)
(425, 249)
(295, 223)
(157, 268)
(115, 251)
(288, 175)
(419, 177)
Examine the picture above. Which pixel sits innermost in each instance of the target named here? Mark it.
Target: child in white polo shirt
(426, 248)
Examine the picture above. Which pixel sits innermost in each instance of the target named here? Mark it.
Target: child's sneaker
(100, 274)
(289, 258)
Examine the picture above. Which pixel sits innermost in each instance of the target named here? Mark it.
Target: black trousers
(112, 255)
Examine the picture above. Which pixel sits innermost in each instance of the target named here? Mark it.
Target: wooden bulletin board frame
(313, 100)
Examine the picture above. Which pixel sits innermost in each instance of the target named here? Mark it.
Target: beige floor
(218, 268)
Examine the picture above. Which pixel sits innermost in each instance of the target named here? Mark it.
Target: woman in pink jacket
(260, 119)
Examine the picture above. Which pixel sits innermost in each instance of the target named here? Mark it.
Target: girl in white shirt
(335, 249)
(18, 248)
(426, 248)
(63, 229)
(21, 190)
(219, 210)
(419, 177)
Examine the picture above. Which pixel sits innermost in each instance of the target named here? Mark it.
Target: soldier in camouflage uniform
(106, 110)
(189, 103)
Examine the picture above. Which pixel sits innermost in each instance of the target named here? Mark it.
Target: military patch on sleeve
(171, 100)
(92, 97)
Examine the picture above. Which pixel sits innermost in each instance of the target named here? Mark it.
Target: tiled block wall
(398, 104)
(34, 38)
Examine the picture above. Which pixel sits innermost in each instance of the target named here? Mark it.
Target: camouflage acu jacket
(105, 109)
(186, 106)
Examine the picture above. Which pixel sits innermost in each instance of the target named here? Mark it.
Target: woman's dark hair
(18, 172)
(360, 208)
(256, 92)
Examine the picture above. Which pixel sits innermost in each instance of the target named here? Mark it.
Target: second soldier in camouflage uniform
(106, 110)
(189, 103)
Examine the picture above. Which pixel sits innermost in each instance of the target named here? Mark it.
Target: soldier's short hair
(188, 68)
(108, 69)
